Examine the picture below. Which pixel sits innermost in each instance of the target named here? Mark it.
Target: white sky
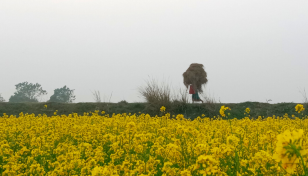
(252, 50)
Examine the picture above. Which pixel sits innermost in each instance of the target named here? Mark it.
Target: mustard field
(138, 144)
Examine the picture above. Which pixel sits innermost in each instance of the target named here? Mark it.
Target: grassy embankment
(189, 110)
(156, 95)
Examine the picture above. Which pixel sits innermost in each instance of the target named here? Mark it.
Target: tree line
(28, 92)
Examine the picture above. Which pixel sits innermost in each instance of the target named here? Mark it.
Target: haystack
(196, 76)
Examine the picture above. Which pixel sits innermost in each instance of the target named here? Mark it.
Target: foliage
(123, 102)
(130, 144)
(27, 92)
(2, 99)
(63, 95)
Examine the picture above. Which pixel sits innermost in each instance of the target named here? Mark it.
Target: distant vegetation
(189, 110)
(30, 93)
(62, 95)
(155, 95)
(27, 92)
(2, 99)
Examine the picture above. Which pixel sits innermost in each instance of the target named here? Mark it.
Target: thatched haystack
(196, 76)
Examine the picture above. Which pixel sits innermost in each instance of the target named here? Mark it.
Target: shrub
(155, 95)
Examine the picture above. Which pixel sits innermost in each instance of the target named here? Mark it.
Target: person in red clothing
(195, 95)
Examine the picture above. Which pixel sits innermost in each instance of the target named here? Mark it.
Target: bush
(123, 102)
(156, 96)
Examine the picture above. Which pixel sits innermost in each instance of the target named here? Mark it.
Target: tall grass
(159, 94)
(181, 96)
(156, 95)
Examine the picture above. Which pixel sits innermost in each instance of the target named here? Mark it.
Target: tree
(2, 99)
(63, 95)
(27, 92)
(97, 96)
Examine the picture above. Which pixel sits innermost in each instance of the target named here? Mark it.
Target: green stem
(299, 155)
(304, 167)
(230, 125)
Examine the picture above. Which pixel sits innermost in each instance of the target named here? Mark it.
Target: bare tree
(304, 96)
(97, 96)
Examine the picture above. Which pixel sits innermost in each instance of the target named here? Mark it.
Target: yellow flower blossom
(247, 110)
(290, 144)
(163, 109)
(141, 144)
(222, 110)
(299, 108)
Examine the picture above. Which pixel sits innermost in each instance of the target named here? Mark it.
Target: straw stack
(195, 76)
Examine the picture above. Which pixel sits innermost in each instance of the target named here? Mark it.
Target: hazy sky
(252, 50)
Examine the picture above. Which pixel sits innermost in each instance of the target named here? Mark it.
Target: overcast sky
(252, 50)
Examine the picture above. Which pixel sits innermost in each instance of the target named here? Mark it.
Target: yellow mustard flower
(163, 109)
(288, 146)
(247, 110)
(299, 108)
(222, 110)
